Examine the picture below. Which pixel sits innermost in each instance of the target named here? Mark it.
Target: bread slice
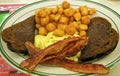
(102, 39)
(18, 34)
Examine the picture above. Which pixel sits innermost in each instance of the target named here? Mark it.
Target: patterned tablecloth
(6, 69)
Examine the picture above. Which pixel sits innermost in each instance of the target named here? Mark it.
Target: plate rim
(7, 19)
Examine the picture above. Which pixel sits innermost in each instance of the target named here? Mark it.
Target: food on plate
(61, 49)
(79, 67)
(63, 34)
(16, 35)
(68, 64)
(63, 19)
(102, 39)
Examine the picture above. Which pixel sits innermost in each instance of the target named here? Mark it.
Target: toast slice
(102, 39)
(18, 34)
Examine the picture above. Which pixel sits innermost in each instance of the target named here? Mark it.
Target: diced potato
(83, 33)
(63, 20)
(59, 33)
(42, 12)
(42, 31)
(50, 27)
(83, 27)
(74, 24)
(44, 21)
(65, 4)
(57, 17)
(77, 16)
(54, 10)
(69, 12)
(85, 19)
(92, 11)
(61, 26)
(84, 10)
(70, 30)
(37, 26)
(37, 19)
(60, 9)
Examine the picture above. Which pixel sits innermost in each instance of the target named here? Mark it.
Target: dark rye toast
(102, 39)
(18, 34)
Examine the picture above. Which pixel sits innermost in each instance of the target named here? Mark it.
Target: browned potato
(59, 32)
(37, 26)
(50, 27)
(70, 30)
(84, 10)
(51, 17)
(54, 10)
(65, 4)
(37, 19)
(42, 12)
(69, 12)
(92, 11)
(63, 20)
(57, 17)
(74, 24)
(42, 31)
(83, 27)
(85, 19)
(44, 21)
(82, 33)
(61, 26)
(77, 16)
(60, 9)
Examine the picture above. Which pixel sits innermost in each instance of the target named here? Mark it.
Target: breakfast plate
(14, 59)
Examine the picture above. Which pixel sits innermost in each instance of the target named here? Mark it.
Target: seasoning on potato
(63, 20)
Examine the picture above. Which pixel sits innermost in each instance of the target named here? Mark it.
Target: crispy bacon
(79, 67)
(59, 60)
(53, 51)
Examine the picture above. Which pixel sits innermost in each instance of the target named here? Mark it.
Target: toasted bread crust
(18, 34)
(102, 39)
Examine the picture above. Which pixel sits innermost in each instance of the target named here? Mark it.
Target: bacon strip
(56, 48)
(70, 65)
(79, 67)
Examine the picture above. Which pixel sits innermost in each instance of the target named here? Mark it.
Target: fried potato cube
(42, 31)
(51, 16)
(85, 19)
(54, 10)
(65, 4)
(60, 9)
(48, 11)
(92, 11)
(74, 24)
(57, 17)
(50, 27)
(83, 27)
(83, 33)
(44, 21)
(84, 10)
(77, 16)
(37, 26)
(61, 26)
(42, 12)
(37, 19)
(63, 20)
(69, 12)
(70, 30)
(59, 33)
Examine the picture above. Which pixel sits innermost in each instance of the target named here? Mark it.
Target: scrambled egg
(42, 42)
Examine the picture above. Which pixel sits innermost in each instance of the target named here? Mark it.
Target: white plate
(15, 59)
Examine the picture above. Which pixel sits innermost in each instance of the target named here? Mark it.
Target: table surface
(114, 4)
